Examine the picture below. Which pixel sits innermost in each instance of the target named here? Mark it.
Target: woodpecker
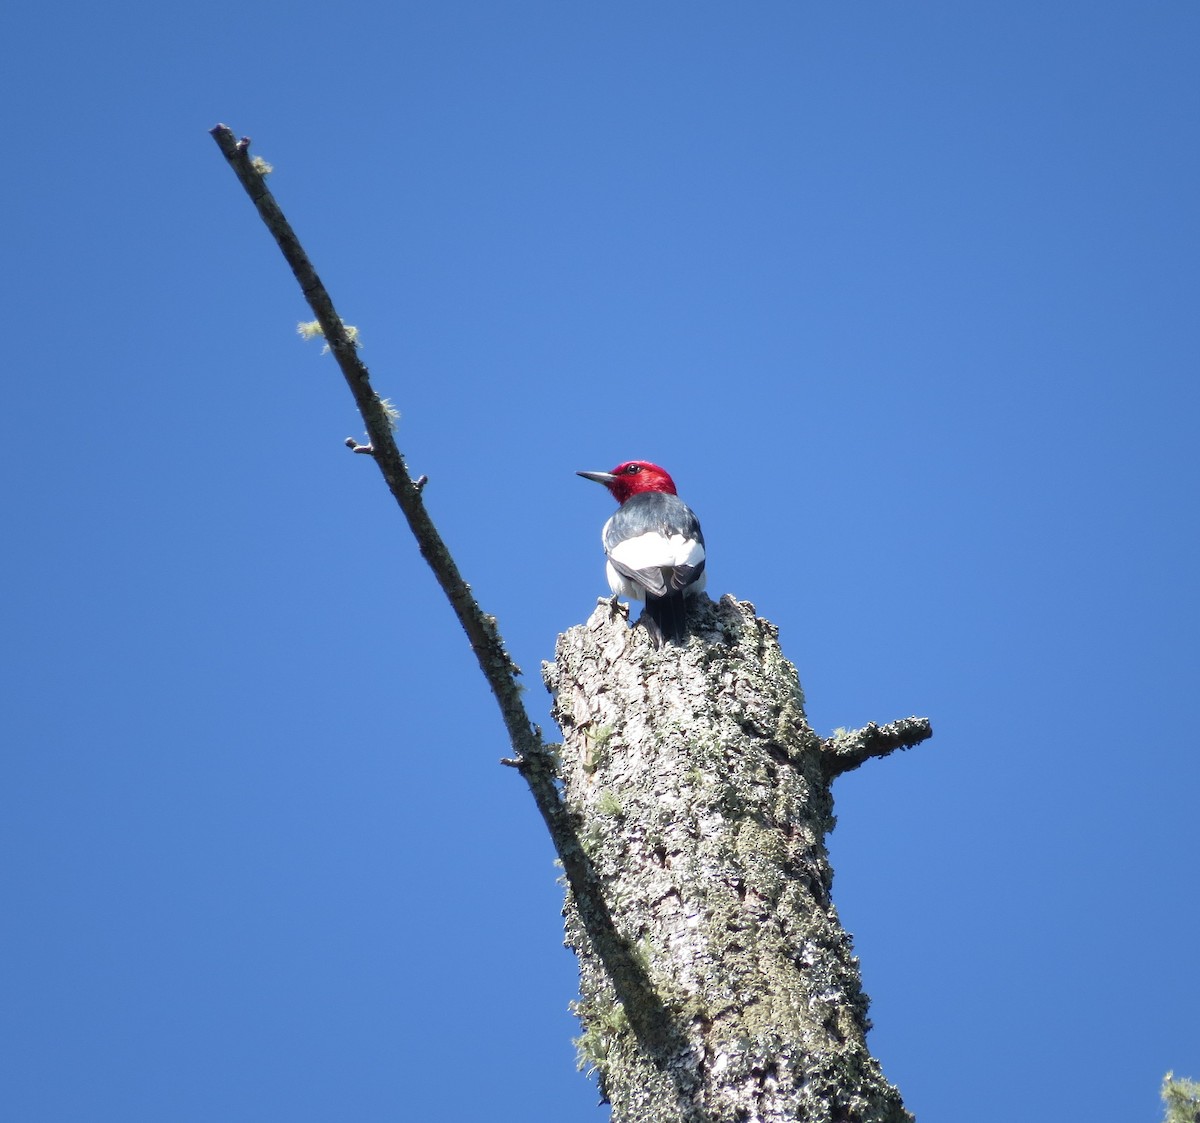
(654, 545)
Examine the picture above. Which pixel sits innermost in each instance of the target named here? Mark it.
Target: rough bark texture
(716, 981)
(701, 799)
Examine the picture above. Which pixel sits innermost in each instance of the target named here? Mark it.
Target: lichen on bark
(689, 817)
(701, 799)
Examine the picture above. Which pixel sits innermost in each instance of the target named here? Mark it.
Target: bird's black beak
(604, 478)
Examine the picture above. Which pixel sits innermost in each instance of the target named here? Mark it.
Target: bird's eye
(633, 469)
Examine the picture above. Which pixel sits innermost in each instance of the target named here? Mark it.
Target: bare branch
(533, 759)
(846, 750)
(498, 668)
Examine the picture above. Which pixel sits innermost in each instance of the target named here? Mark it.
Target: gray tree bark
(720, 985)
(689, 806)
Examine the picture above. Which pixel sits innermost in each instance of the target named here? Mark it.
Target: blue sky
(905, 296)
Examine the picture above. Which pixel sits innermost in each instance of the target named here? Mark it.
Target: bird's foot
(616, 608)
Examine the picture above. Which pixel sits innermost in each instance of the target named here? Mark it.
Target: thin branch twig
(533, 758)
(499, 670)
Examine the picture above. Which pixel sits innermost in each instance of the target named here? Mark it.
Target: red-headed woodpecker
(654, 546)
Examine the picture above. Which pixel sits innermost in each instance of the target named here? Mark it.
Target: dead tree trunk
(701, 800)
(689, 809)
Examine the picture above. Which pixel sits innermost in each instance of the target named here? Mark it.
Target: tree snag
(703, 801)
(689, 805)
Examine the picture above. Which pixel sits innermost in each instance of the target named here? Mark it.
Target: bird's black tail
(666, 618)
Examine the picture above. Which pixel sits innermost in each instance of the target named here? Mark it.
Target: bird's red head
(632, 478)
